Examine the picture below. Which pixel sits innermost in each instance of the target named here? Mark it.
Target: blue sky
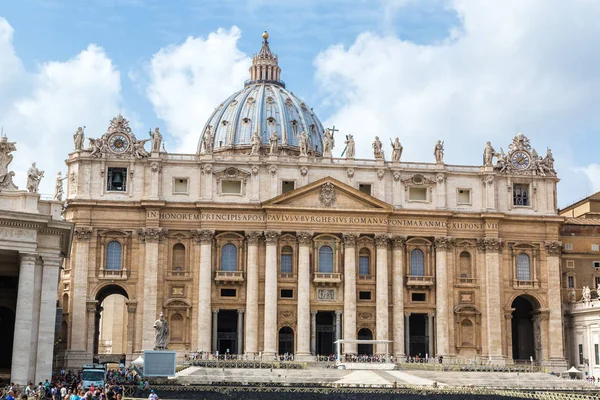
(458, 70)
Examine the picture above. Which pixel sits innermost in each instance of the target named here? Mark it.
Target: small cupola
(265, 67)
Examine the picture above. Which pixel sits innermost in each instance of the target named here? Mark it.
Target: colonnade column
(350, 292)
(398, 295)
(303, 326)
(205, 237)
(270, 328)
(442, 244)
(381, 298)
(555, 340)
(23, 320)
(151, 237)
(240, 331)
(80, 281)
(493, 308)
(47, 318)
(252, 295)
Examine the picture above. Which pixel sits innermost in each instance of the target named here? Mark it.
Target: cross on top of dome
(265, 67)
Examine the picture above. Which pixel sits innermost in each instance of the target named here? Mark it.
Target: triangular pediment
(327, 194)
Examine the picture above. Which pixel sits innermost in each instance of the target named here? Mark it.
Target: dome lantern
(265, 66)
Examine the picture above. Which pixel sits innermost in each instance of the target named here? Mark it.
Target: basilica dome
(265, 106)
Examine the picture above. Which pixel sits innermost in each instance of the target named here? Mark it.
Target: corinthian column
(442, 244)
(252, 294)
(270, 328)
(205, 237)
(80, 283)
(303, 334)
(381, 299)
(350, 291)
(553, 252)
(398, 295)
(151, 237)
(493, 311)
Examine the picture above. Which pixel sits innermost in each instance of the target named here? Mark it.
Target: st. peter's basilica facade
(261, 242)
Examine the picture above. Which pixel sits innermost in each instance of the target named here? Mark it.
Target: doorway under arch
(365, 348)
(7, 333)
(110, 330)
(523, 340)
(286, 340)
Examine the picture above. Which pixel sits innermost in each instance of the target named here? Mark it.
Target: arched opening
(178, 260)
(7, 322)
(65, 303)
(417, 262)
(364, 261)
(365, 348)
(286, 264)
(286, 341)
(326, 259)
(229, 257)
(464, 262)
(523, 343)
(111, 321)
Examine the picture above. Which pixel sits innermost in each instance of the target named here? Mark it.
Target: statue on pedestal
(328, 143)
(273, 149)
(303, 144)
(207, 140)
(438, 152)
(350, 146)
(78, 139)
(34, 176)
(255, 141)
(58, 187)
(488, 155)
(6, 176)
(161, 331)
(156, 140)
(587, 294)
(377, 149)
(396, 150)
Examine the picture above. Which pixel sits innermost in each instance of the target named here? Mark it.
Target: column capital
(304, 237)
(131, 306)
(52, 261)
(398, 242)
(490, 245)
(313, 313)
(553, 248)
(350, 239)
(28, 257)
(83, 233)
(241, 310)
(382, 240)
(153, 235)
(91, 306)
(203, 236)
(253, 237)
(215, 310)
(338, 313)
(444, 242)
(271, 237)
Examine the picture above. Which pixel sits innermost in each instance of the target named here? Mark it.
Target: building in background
(261, 242)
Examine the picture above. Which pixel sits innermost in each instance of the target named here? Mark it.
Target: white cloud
(512, 65)
(42, 115)
(187, 81)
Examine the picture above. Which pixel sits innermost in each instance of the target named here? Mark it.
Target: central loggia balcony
(327, 278)
(229, 277)
(419, 281)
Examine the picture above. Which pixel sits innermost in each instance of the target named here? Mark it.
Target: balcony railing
(230, 277)
(327, 278)
(524, 284)
(287, 275)
(419, 281)
(178, 274)
(113, 274)
(366, 277)
(466, 281)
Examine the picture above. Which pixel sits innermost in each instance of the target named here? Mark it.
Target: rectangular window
(364, 295)
(287, 186)
(568, 246)
(570, 263)
(418, 297)
(596, 354)
(520, 195)
(464, 196)
(228, 293)
(580, 348)
(417, 194)
(180, 186)
(231, 187)
(596, 264)
(365, 188)
(363, 265)
(570, 282)
(595, 247)
(116, 180)
(287, 293)
(286, 263)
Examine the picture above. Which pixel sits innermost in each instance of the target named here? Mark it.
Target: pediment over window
(177, 303)
(327, 193)
(418, 180)
(231, 173)
(114, 233)
(466, 309)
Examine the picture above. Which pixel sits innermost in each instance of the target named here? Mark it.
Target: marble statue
(548, 161)
(6, 158)
(207, 140)
(377, 149)
(303, 144)
(138, 149)
(78, 139)
(438, 152)
(58, 187)
(34, 176)
(572, 296)
(161, 331)
(587, 294)
(156, 140)
(488, 155)
(396, 149)
(96, 146)
(350, 146)
(255, 141)
(273, 143)
(328, 143)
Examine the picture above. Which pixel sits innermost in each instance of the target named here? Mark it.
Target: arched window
(65, 303)
(178, 263)
(326, 259)
(417, 263)
(364, 258)
(465, 264)
(287, 254)
(523, 267)
(176, 331)
(229, 258)
(114, 255)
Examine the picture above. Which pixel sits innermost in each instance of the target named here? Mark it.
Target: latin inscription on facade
(173, 216)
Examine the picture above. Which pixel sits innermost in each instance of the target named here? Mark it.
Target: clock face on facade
(520, 160)
(118, 143)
